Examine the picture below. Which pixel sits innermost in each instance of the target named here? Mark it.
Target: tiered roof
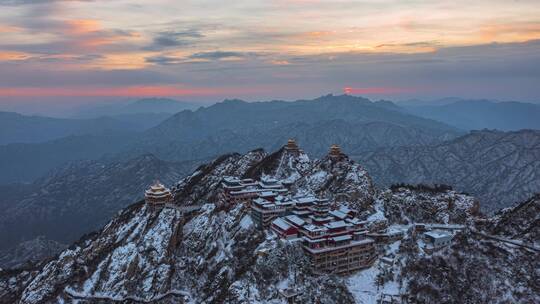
(335, 150)
(335, 221)
(291, 145)
(157, 193)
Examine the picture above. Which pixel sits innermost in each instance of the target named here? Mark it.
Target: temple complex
(264, 211)
(331, 234)
(244, 191)
(334, 240)
(158, 195)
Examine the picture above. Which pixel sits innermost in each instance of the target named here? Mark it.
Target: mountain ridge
(218, 255)
(501, 168)
(482, 113)
(236, 126)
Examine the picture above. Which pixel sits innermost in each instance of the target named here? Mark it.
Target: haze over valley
(499, 167)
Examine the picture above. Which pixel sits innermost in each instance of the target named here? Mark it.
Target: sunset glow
(389, 46)
(127, 91)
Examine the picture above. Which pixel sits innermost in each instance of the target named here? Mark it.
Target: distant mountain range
(114, 119)
(144, 114)
(480, 114)
(28, 162)
(386, 137)
(79, 197)
(17, 128)
(140, 106)
(500, 168)
(28, 252)
(383, 135)
(233, 125)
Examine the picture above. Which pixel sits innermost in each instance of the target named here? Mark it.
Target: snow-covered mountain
(335, 178)
(418, 204)
(219, 255)
(499, 168)
(474, 269)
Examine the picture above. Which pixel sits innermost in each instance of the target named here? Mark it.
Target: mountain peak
(219, 254)
(343, 98)
(234, 101)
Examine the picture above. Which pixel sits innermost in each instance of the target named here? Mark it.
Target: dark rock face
(499, 168)
(521, 221)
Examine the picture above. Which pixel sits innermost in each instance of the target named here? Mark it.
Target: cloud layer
(269, 49)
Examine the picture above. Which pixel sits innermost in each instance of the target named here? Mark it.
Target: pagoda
(335, 151)
(157, 195)
(291, 146)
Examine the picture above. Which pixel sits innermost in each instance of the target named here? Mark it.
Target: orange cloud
(83, 26)
(9, 29)
(317, 34)
(88, 34)
(409, 48)
(523, 31)
(9, 56)
(91, 43)
(128, 91)
(280, 62)
(122, 61)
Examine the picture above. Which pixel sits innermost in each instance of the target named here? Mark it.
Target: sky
(59, 54)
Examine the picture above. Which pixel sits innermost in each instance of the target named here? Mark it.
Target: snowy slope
(218, 255)
(339, 179)
(203, 184)
(422, 204)
(129, 258)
